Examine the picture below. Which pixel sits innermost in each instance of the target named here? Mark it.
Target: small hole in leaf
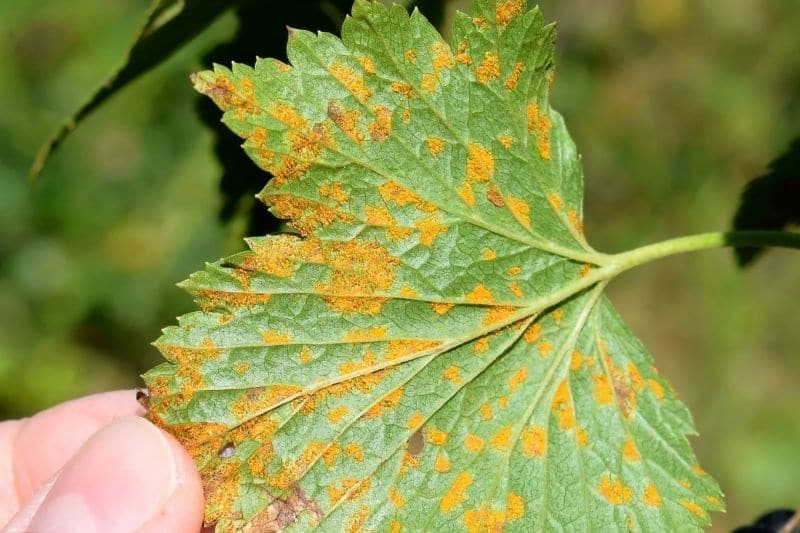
(415, 443)
(227, 451)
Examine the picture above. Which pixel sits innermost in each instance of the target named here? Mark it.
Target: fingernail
(116, 481)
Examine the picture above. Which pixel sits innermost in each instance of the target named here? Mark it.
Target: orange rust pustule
(214, 299)
(442, 56)
(507, 11)
(489, 68)
(351, 80)
(562, 406)
(393, 192)
(346, 120)
(480, 163)
(381, 128)
(256, 401)
(483, 520)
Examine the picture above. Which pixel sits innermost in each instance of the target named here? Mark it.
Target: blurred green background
(674, 104)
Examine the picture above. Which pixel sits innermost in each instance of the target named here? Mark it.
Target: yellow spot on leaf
(562, 406)
(480, 295)
(697, 469)
(435, 145)
(603, 392)
(442, 56)
(354, 451)
(582, 437)
(407, 292)
(335, 191)
(374, 333)
(651, 495)
(482, 520)
(336, 414)
(486, 411)
(428, 83)
(429, 229)
(410, 54)
(481, 345)
(575, 220)
(480, 163)
(692, 508)
(452, 374)
(713, 500)
(534, 441)
(514, 271)
(497, 314)
(347, 121)
(489, 255)
(367, 64)
(457, 493)
(555, 200)
(515, 508)
(402, 88)
(507, 10)
(381, 128)
(518, 378)
(393, 192)
(656, 387)
(473, 443)
(465, 193)
(541, 124)
(614, 491)
(516, 289)
(351, 80)
(415, 421)
(396, 498)
(242, 367)
(576, 362)
(629, 451)
(513, 78)
(441, 308)
(532, 333)
(329, 455)
(442, 464)
(275, 337)
(436, 436)
(544, 348)
(502, 402)
(461, 54)
(502, 439)
(521, 210)
(506, 140)
(636, 379)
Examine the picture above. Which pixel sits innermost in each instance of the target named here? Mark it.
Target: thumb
(129, 476)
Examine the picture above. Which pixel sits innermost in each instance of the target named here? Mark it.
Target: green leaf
(169, 25)
(433, 350)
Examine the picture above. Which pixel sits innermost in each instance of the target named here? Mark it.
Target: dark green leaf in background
(771, 201)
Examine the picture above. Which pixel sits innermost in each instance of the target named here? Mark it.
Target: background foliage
(675, 106)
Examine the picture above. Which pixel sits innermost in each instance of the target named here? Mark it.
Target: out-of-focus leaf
(169, 24)
(771, 201)
(434, 350)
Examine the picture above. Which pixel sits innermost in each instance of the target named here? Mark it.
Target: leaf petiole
(703, 241)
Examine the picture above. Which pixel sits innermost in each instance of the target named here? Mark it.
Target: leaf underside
(431, 350)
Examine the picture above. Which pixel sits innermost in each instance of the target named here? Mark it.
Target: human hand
(94, 465)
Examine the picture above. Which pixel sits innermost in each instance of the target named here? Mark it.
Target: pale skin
(95, 465)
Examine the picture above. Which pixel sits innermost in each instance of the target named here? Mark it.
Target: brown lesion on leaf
(494, 196)
(624, 388)
(280, 513)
